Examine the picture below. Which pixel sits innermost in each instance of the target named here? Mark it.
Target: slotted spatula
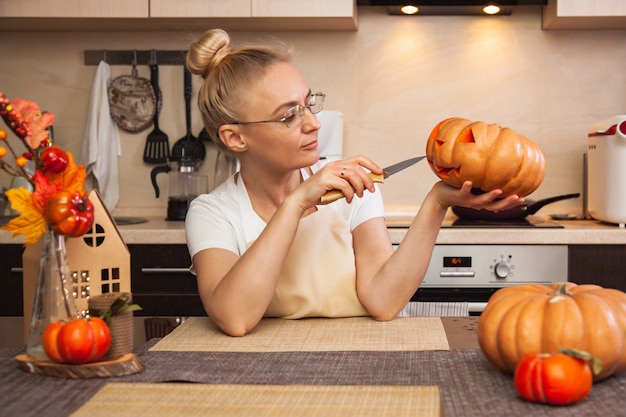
(157, 149)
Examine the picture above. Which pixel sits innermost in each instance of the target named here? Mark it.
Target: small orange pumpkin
(490, 156)
(538, 318)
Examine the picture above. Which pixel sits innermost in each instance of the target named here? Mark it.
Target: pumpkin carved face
(460, 150)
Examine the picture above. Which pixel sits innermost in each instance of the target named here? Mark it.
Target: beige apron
(319, 275)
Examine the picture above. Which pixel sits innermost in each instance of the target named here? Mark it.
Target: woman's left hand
(449, 196)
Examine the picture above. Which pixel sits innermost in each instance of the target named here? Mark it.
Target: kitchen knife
(335, 195)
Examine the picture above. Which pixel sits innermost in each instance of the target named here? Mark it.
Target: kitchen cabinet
(168, 15)
(160, 280)
(74, 8)
(597, 264)
(200, 8)
(584, 14)
(304, 8)
(253, 8)
(161, 283)
(11, 296)
(11, 303)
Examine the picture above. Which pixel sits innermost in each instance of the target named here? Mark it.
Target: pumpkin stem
(594, 363)
(561, 289)
(82, 204)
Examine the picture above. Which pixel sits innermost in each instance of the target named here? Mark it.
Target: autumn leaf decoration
(30, 125)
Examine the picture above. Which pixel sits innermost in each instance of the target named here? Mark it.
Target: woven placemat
(199, 334)
(174, 399)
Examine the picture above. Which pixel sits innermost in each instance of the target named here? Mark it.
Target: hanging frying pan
(132, 101)
(516, 213)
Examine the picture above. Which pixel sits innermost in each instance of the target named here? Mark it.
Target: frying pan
(515, 213)
(132, 101)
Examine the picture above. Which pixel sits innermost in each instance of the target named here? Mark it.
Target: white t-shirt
(225, 218)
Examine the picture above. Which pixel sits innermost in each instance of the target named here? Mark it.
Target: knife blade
(335, 195)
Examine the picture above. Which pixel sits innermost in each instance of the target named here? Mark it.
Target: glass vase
(54, 299)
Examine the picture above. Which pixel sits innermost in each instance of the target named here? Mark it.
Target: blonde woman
(261, 245)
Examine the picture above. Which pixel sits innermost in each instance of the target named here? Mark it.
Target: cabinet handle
(164, 270)
(17, 269)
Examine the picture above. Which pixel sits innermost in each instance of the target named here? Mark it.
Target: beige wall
(394, 80)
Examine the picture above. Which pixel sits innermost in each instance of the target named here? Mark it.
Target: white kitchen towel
(330, 137)
(101, 144)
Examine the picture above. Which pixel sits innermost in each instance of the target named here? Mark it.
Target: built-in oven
(467, 275)
(472, 273)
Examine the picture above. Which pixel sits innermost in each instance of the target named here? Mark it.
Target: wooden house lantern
(99, 262)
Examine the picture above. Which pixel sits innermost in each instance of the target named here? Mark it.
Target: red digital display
(457, 261)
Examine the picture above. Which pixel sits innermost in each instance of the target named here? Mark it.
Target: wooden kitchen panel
(75, 8)
(170, 15)
(584, 14)
(602, 265)
(304, 8)
(161, 283)
(11, 295)
(200, 8)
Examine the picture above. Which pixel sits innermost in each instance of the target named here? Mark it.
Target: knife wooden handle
(334, 195)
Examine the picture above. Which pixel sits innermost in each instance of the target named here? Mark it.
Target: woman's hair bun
(207, 52)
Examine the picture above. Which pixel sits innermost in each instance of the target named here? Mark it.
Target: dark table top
(469, 384)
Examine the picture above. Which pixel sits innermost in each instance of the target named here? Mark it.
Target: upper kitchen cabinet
(74, 8)
(169, 15)
(584, 14)
(275, 15)
(307, 14)
(200, 8)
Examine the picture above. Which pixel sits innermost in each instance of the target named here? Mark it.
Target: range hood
(451, 7)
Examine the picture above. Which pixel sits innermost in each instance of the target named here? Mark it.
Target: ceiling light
(409, 9)
(491, 9)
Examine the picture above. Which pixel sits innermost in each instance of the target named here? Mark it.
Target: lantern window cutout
(110, 280)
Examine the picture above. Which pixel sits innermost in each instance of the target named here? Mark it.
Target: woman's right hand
(350, 176)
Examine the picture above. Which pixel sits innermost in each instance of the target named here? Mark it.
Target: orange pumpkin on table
(537, 318)
(490, 156)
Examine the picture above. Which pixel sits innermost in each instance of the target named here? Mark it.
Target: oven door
(472, 273)
(472, 300)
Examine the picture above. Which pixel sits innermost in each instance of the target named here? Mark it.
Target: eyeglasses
(295, 115)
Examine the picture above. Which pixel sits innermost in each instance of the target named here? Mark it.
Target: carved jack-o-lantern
(491, 157)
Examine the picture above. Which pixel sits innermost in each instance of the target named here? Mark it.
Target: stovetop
(404, 222)
(527, 222)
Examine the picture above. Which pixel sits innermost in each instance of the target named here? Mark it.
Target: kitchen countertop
(574, 232)
(155, 230)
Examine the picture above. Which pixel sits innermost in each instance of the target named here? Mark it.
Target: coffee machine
(185, 184)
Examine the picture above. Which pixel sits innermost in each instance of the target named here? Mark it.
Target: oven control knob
(502, 269)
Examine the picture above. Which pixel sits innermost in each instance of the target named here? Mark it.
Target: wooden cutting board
(127, 364)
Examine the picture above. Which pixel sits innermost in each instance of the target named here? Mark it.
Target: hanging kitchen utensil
(157, 149)
(188, 146)
(516, 213)
(132, 101)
